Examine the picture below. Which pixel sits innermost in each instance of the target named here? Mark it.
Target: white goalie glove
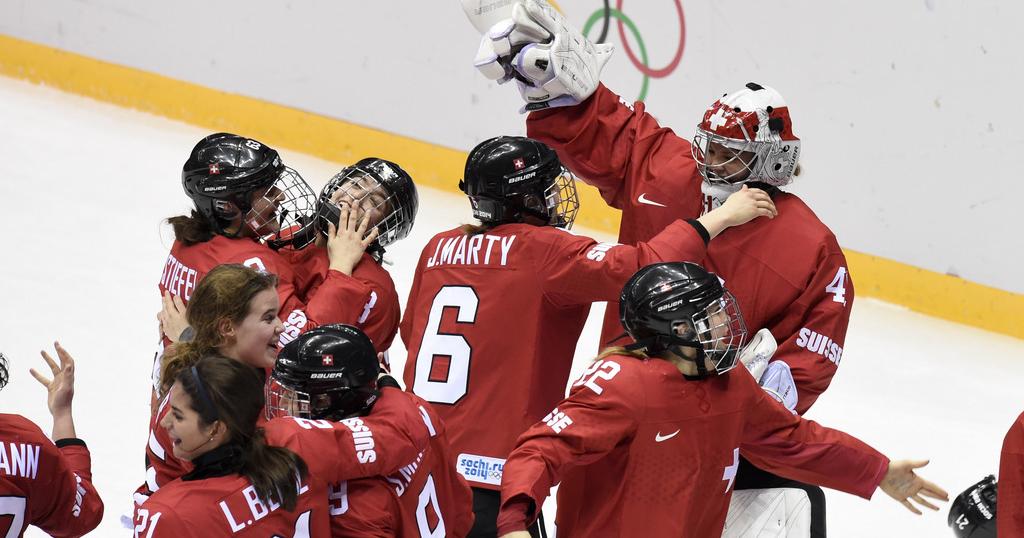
(552, 62)
(774, 377)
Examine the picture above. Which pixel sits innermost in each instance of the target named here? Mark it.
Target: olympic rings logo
(642, 64)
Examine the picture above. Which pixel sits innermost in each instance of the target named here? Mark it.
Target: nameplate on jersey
(480, 469)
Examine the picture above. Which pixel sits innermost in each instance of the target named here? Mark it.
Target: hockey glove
(777, 381)
(552, 62)
(758, 352)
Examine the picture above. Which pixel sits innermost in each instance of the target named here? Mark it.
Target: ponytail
(274, 471)
(191, 229)
(620, 350)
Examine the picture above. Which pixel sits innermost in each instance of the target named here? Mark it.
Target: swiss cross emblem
(718, 119)
(328, 360)
(519, 164)
(214, 169)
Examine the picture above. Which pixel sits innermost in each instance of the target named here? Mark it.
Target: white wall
(910, 110)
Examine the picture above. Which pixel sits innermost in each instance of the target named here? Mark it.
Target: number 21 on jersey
(430, 382)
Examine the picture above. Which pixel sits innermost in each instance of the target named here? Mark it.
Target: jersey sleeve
(578, 270)
(812, 333)
(600, 412)
(338, 299)
(1010, 496)
(71, 505)
(780, 442)
(380, 316)
(378, 444)
(633, 145)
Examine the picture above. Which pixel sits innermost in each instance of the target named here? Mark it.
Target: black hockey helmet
(973, 512)
(329, 372)
(4, 373)
(234, 179)
(511, 177)
(377, 185)
(661, 298)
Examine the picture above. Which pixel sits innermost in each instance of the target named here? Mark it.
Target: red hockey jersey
(492, 322)
(333, 451)
(380, 315)
(394, 419)
(229, 506)
(649, 453)
(427, 497)
(1010, 494)
(788, 273)
(42, 484)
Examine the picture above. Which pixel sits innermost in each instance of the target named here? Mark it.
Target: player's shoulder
(617, 377)
(800, 221)
(18, 429)
(369, 269)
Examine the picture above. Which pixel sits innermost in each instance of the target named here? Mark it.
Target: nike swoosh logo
(644, 200)
(659, 437)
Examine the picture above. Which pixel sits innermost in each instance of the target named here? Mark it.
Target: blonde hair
(619, 350)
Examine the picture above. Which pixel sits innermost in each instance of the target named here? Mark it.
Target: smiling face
(254, 339)
(189, 437)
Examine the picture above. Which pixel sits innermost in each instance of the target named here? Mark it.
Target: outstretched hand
(60, 390)
(903, 484)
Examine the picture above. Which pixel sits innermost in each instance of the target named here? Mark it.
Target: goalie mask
(509, 178)
(747, 137)
(236, 181)
(973, 512)
(328, 373)
(677, 305)
(378, 187)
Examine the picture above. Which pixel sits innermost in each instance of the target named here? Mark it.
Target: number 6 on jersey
(449, 387)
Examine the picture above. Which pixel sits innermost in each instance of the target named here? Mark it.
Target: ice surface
(85, 186)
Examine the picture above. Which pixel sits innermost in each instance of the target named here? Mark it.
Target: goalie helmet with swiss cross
(747, 137)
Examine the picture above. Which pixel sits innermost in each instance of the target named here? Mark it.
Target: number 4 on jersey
(838, 286)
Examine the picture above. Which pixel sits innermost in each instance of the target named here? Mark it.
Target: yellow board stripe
(439, 167)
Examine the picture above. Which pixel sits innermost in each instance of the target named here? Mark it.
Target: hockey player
(650, 435)
(247, 204)
(330, 373)
(385, 193)
(495, 310)
(43, 483)
(249, 480)
(233, 313)
(788, 274)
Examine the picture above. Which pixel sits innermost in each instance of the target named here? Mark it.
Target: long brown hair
(228, 391)
(224, 293)
(191, 229)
